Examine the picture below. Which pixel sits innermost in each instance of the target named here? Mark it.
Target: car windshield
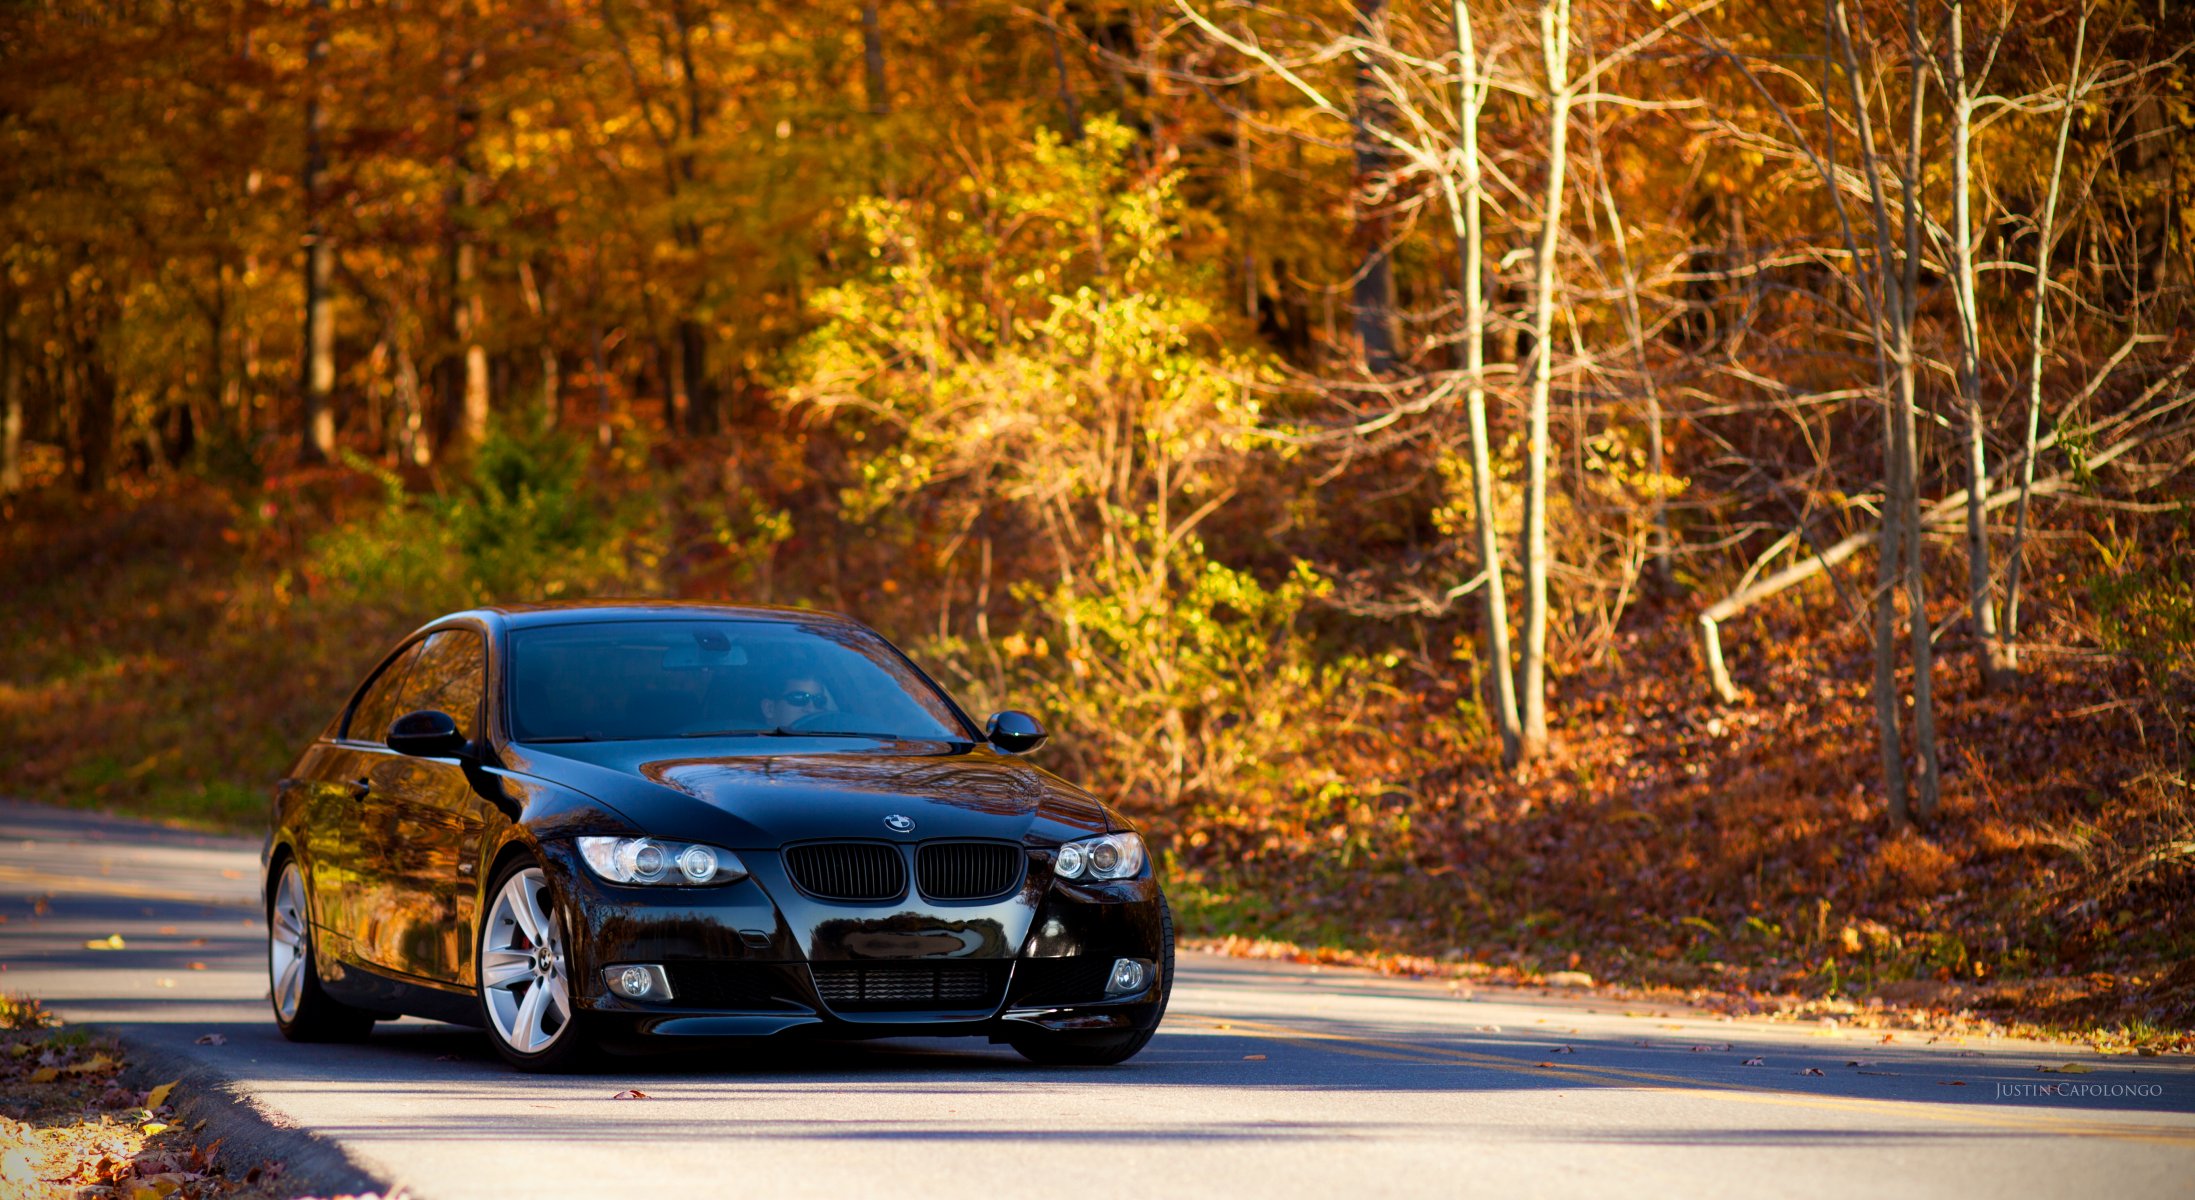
(629, 680)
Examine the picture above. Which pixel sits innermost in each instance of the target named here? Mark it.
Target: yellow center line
(1382, 1048)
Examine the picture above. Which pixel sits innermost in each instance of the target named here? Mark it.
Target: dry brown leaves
(70, 1127)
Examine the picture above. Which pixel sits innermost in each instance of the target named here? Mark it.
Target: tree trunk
(2045, 245)
(1532, 671)
(538, 288)
(468, 376)
(601, 359)
(11, 417)
(1069, 102)
(1887, 315)
(1467, 203)
(412, 444)
(1925, 773)
(702, 414)
(1981, 606)
(1374, 285)
(318, 369)
(872, 59)
(95, 417)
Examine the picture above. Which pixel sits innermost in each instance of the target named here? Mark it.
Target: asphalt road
(1277, 1079)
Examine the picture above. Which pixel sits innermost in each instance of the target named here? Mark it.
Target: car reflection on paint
(628, 824)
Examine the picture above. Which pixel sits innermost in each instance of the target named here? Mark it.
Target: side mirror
(426, 734)
(1014, 732)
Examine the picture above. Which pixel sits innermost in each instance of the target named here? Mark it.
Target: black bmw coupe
(623, 824)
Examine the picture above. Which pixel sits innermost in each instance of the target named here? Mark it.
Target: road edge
(216, 1107)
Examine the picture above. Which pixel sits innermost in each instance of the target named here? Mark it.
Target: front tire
(523, 973)
(303, 1011)
(1051, 1049)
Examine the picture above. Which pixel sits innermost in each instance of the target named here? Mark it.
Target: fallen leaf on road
(1951, 1083)
(1754, 1062)
(1489, 1029)
(1859, 1062)
(1888, 1038)
(167, 929)
(45, 1075)
(198, 966)
(153, 1128)
(112, 941)
(231, 873)
(212, 1039)
(1811, 1071)
(2068, 1069)
(163, 982)
(1253, 1058)
(1550, 1066)
(630, 1094)
(159, 1095)
(1562, 1050)
(90, 1066)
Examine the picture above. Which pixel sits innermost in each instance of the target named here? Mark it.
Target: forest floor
(167, 653)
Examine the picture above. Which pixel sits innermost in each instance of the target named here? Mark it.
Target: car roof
(568, 612)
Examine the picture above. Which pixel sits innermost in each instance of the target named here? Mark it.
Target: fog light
(1128, 975)
(639, 982)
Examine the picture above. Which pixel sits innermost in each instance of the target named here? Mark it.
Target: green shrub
(521, 524)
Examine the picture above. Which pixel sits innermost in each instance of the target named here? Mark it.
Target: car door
(423, 823)
(336, 814)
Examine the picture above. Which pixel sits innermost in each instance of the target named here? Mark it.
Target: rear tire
(522, 971)
(1050, 1049)
(303, 1011)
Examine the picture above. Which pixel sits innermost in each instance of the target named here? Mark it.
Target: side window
(451, 675)
(377, 708)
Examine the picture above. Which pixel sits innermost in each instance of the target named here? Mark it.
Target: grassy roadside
(71, 1128)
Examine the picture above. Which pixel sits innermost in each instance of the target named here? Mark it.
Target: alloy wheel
(287, 950)
(523, 972)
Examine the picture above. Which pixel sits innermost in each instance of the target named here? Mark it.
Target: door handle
(359, 787)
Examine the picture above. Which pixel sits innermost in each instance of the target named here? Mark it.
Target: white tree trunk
(1532, 671)
(2045, 244)
(1467, 203)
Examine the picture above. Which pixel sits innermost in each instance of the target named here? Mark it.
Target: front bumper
(758, 958)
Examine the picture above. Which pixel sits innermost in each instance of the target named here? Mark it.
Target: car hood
(811, 788)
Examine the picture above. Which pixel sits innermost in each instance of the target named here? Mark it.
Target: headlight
(647, 860)
(1114, 856)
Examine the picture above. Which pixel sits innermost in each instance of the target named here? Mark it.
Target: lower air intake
(909, 987)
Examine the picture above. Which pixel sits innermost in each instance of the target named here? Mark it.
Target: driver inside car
(800, 697)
